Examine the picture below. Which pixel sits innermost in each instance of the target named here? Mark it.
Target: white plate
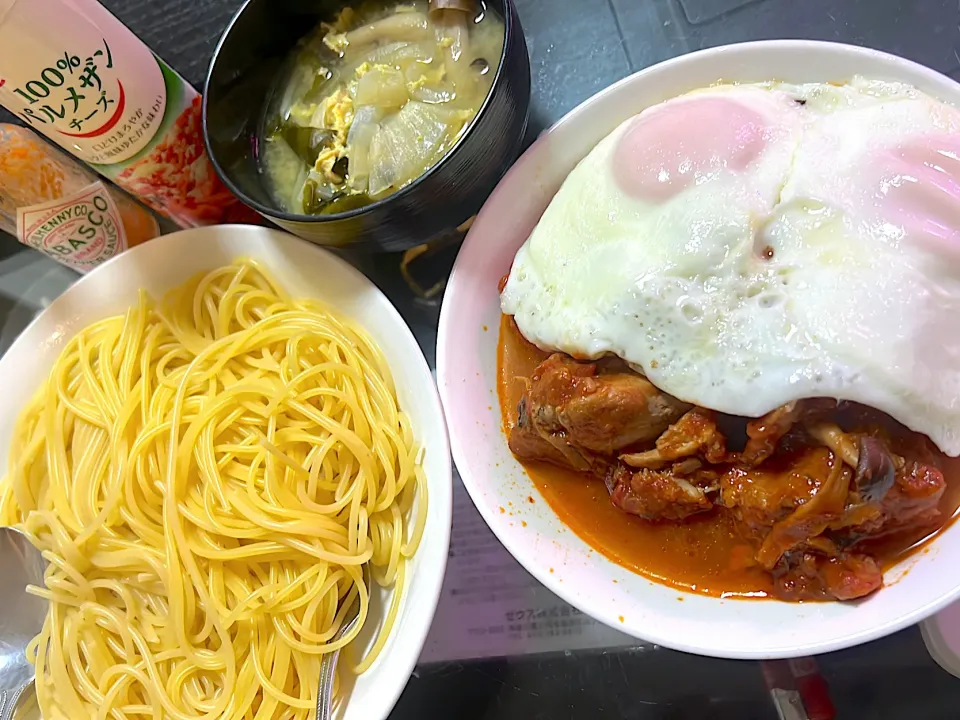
(304, 270)
(466, 372)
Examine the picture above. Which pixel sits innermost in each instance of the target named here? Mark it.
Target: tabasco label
(81, 231)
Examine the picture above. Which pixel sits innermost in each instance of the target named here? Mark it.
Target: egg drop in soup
(374, 98)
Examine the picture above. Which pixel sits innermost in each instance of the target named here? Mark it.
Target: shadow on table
(889, 679)
(654, 684)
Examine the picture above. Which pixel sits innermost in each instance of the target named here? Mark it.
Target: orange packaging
(52, 203)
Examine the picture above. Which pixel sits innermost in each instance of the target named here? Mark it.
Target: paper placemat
(491, 607)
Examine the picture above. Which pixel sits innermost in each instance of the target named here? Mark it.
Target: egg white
(749, 289)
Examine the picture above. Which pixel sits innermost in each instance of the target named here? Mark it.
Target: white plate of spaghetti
(210, 437)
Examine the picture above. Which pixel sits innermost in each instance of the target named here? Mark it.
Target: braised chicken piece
(669, 494)
(527, 440)
(913, 502)
(600, 412)
(811, 518)
(852, 489)
(764, 433)
(812, 575)
(695, 433)
(580, 412)
(761, 497)
(896, 485)
(816, 483)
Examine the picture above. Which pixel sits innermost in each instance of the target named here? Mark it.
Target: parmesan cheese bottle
(73, 72)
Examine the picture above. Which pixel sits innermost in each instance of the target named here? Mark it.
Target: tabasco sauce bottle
(53, 203)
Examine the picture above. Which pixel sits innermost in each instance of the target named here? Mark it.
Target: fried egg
(748, 245)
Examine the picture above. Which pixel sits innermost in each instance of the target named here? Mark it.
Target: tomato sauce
(703, 554)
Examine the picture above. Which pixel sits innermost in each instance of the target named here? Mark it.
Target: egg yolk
(918, 190)
(669, 149)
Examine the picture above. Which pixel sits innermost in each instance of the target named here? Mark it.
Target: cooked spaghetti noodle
(207, 478)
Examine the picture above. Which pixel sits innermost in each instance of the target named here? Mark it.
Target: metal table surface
(578, 47)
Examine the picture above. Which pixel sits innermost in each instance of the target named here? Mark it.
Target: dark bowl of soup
(372, 125)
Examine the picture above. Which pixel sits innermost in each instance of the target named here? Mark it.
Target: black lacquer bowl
(243, 74)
